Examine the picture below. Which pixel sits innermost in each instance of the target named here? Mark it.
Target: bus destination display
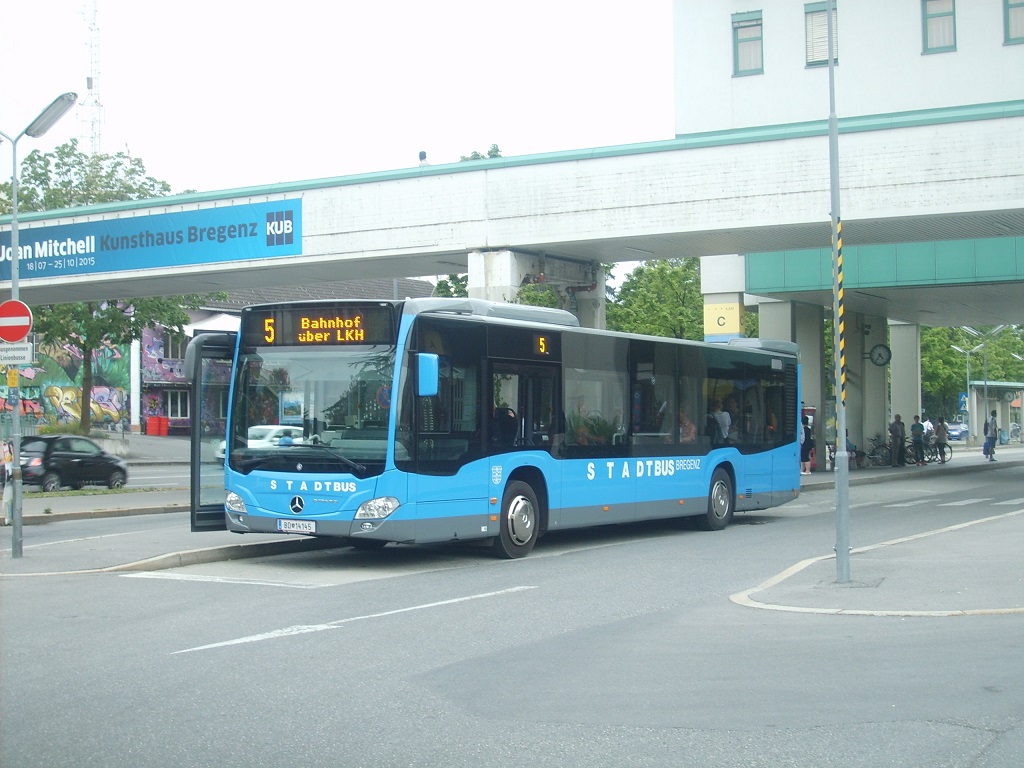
(321, 325)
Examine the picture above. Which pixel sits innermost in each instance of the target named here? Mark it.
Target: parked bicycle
(880, 454)
(931, 451)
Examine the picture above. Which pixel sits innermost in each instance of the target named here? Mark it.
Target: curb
(56, 517)
(897, 474)
(201, 556)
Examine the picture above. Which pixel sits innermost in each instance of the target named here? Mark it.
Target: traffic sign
(17, 354)
(15, 321)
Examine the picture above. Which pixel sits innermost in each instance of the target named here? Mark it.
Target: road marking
(301, 629)
(912, 503)
(1010, 503)
(963, 502)
(82, 538)
(744, 598)
(223, 580)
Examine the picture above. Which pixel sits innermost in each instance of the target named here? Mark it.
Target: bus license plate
(296, 526)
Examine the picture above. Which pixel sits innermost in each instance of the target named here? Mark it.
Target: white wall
(881, 67)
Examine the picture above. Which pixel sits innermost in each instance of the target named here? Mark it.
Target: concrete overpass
(951, 257)
(754, 201)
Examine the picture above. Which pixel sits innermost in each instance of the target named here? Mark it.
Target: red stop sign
(15, 321)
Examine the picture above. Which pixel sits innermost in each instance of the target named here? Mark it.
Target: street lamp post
(991, 333)
(970, 411)
(44, 122)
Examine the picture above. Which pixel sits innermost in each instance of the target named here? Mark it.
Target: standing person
(941, 438)
(991, 430)
(719, 423)
(7, 471)
(806, 444)
(917, 438)
(897, 442)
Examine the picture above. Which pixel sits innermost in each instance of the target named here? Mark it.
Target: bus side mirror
(427, 374)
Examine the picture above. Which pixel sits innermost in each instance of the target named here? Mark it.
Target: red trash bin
(164, 423)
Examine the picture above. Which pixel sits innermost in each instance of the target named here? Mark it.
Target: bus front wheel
(721, 502)
(519, 521)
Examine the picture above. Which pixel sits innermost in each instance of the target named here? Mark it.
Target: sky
(221, 94)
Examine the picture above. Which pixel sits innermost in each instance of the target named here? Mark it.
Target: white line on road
(912, 503)
(223, 580)
(1010, 503)
(963, 502)
(301, 629)
(744, 598)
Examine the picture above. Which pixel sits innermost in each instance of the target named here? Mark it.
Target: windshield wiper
(360, 468)
(247, 465)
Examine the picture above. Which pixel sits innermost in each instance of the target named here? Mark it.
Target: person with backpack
(941, 439)
(991, 430)
(806, 445)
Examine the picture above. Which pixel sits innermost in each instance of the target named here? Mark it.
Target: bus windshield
(299, 410)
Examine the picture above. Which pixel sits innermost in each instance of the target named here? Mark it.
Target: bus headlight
(377, 508)
(233, 503)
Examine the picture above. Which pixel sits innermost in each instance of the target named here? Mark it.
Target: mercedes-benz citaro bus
(438, 420)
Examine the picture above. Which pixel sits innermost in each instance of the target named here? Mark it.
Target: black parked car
(53, 461)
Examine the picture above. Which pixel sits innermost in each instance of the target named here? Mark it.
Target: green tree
(89, 325)
(538, 295)
(66, 178)
(944, 369)
(452, 286)
(661, 298)
(492, 152)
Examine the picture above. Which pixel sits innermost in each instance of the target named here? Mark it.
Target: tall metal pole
(14, 396)
(43, 122)
(970, 411)
(842, 464)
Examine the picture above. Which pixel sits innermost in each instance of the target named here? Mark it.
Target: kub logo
(496, 475)
(280, 228)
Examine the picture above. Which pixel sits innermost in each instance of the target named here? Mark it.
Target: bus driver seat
(504, 426)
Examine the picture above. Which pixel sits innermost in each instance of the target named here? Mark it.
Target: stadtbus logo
(280, 228)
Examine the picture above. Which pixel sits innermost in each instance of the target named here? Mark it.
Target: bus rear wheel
(519, 521)
(721, 502)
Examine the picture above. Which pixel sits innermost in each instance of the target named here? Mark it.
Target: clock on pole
(880, 354)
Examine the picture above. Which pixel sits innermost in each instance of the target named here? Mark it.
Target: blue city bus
(442, 420)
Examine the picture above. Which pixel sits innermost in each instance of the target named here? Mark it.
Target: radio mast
(92, 115)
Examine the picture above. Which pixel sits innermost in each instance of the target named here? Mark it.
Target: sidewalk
(935, 573)
(932, 574)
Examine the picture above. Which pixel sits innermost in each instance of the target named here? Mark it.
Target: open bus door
(208, 370)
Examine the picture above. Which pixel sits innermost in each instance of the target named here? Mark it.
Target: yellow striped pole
(841, 334)
(842, 466)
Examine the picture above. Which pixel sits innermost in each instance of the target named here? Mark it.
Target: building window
(747, 49)
(174, 346)
(176, 403)
(816, 28)
(938, 25)
(1013, 21)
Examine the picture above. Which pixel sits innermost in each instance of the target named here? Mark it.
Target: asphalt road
(610, 647)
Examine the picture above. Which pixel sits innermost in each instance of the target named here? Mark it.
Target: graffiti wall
(51, 389)
(163, 372)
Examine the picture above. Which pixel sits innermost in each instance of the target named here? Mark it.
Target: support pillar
(722, 282)
(579, 286)
(874, 419)
(804, 324)
(905, 374)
